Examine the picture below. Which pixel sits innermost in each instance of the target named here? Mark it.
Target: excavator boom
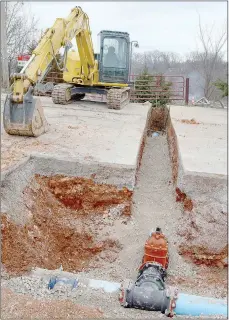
(23, 114)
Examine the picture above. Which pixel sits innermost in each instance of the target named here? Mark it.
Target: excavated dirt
(70, 225)
(203, 232)
(87, 197)
(192, 121)
(182, 197)
(203, 225)
(154, 204)
(158, 119)
(173, 150)
(202, 255)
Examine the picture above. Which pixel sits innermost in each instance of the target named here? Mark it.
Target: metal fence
(147, 87)
(153, 88)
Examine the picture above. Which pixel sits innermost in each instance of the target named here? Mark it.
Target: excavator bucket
(26, 118)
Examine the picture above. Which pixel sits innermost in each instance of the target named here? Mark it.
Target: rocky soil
(154, 204)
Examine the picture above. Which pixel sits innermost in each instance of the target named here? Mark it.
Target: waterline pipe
(186, 304)
(192, 305)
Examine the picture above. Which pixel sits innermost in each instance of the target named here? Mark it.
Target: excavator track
(61, 93)
(118, 98)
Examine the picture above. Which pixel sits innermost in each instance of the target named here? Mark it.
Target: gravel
(154, 206)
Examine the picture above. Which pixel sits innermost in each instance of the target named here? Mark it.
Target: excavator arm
(23, 114)
(61, 35)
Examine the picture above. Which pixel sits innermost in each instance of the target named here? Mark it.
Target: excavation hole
(158, 119)
(71, 223)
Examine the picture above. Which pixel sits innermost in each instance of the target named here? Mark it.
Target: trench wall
(203, 227)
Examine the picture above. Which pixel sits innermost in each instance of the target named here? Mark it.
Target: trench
(52, 220)
(84, 224)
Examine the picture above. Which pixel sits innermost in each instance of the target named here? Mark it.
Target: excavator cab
(114, 58)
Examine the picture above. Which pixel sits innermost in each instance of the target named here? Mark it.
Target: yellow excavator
(83, 72)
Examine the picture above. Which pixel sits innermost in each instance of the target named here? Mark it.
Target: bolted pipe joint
(148, 292)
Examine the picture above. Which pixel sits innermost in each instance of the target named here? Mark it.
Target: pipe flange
(172, 294)
(124, 290)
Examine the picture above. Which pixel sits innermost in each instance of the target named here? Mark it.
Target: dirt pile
(70, 225)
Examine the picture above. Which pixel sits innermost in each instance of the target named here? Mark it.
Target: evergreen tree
(223, 86)
(148, 88)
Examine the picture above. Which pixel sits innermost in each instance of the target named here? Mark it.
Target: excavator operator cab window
(114, 53)
(114, 59)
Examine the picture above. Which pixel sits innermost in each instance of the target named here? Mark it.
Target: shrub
(152, 88)
(223, 86)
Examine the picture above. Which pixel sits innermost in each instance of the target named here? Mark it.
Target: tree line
(206, 67)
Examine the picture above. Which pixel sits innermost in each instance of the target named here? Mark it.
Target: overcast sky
(164, 26)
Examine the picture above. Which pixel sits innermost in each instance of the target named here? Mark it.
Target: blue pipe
(195, 306)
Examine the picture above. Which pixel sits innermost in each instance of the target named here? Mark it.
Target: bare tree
(157, 62)
(31, 46)
(208, 61)
(4, 57)
(21, 30)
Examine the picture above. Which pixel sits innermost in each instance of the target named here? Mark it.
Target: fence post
(186, 91)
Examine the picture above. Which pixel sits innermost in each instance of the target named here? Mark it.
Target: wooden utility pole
(4, 57)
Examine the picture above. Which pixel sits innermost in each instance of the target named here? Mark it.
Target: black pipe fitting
(148, 292)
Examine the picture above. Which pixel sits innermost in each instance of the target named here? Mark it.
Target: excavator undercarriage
(117, 98)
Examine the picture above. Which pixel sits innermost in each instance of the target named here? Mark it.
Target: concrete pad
(199, 151)
(203, 146)
(83, 132)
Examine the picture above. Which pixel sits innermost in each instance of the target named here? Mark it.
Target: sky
(163, 26)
